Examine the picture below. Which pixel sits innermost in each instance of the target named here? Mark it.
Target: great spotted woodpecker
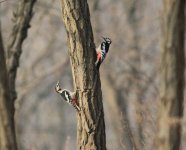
(69, 97)
(102, 51)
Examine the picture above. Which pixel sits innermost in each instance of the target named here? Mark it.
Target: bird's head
(58, 88)
(107, 40)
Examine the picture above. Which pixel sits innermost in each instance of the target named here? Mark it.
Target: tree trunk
(7, 132)
(90, 122)
(21, 19)
(172, 76)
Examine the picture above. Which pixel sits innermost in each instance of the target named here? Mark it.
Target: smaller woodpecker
(102, 51)
(69, 97)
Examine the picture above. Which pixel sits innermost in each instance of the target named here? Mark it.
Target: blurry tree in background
(21, 20)
(21, 23)
(172, 75)
(91, 124)
(7, 132)
(129, 75)
(133, 12)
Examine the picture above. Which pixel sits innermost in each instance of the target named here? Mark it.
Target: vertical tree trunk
(172, 76)
(91, 125)
(21, 19)
(7, 132)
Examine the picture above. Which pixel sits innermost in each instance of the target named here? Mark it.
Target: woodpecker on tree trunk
(68, 96)
(102, 51)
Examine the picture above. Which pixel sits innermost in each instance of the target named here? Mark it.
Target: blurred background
(128, 74)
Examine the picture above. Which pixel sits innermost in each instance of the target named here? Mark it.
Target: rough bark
(172, 76)
(21, 19)
(7, 132)
(90, 122)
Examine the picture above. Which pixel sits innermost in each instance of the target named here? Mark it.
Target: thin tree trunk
(7, 132)
(172, 76)
(8, 94)
(21, 20)
(90, 122)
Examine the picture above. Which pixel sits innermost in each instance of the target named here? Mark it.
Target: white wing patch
(67, 97)
(103, 46)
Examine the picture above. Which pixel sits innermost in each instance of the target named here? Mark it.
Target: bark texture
(7, 132)
(21, 19)
(90, 122)
(172, 76)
